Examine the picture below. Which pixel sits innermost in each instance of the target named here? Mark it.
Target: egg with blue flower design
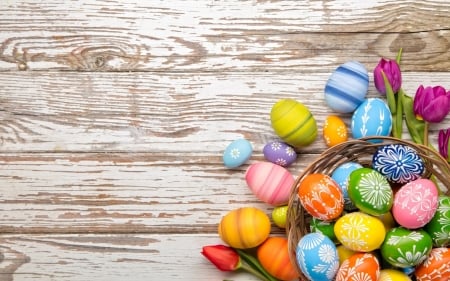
(399, 163)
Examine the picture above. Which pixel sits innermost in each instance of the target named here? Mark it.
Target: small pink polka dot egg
(415, 203)
(270, 182)
(279, 153)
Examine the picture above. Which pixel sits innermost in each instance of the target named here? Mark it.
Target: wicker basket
(360, 151)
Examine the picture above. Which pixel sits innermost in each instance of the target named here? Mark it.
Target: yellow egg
(334, 131)
(344, 253)
(360, 232)
(293, 122)
(244, 228)
(393, 275)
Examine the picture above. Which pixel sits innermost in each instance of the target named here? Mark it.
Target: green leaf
(396, 116)
(415, 126)
(254, 263)
(399, 56)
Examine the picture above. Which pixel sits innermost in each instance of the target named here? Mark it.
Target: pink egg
(415, 203)
(269, 182)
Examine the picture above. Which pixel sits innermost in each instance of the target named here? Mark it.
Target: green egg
(370, 191)
(439, 226)
(324, 227)
(293, 122)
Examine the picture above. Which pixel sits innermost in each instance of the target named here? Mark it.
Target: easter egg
(398, 163)
(415, 203)
(273, 254)
(347, 87)
(436, 267)
(279, 216)
(404, 247)
(244, 228)
(334, 131)
(269, 182)
(237, 153)
(324, 227)
(370, 191)
(359, 232)
(388, 220)
(359, 266)
(293, 123)
(393, 275)
(317, 257)
(321, 196)
(344, 253)
(439, 226)
(341, 176)
(371, 118)
(279, 153)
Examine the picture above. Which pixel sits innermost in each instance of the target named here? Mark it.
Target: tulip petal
(436, 110)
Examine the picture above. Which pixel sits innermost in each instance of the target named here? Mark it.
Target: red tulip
(223, 257)
(443, 141)
(392, 71)
(431, 104)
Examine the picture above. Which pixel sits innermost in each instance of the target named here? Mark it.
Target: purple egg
(279, 153)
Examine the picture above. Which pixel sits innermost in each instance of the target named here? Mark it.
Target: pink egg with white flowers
(269, 182)
(415, 203)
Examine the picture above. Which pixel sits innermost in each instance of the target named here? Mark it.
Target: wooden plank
(165, 114)
(109, 257)
(180, 36)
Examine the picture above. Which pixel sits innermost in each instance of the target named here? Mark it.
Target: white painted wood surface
(114, 116)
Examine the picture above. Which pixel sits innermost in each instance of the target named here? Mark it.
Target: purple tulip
(392, 71)
(443, 137)
(431, 104)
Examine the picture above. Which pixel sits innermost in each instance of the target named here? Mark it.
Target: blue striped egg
(372, 118)
(347, 87)
(317, 257)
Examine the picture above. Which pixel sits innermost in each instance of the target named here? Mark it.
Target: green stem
(253, 262)
(399, 115)
(425, 134)
(245, 266)
(399, 56)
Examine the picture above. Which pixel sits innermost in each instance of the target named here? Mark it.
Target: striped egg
(347, 87)
(244, 228)
(293, 123)
(269, 182)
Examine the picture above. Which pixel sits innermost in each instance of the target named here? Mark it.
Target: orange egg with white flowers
(334, 131)
(435, 267)
(321, 196)
(360, 266)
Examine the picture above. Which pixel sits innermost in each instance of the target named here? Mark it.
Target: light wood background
(114, 116)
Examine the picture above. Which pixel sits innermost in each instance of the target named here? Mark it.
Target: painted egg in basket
(404, 247)
(371, 118)
(279, 153)
(360, 232)
(347, 87)
(398, 163)
(389, 274)
(317, 257)
(293, 122)
(436, 267)
(269, 182)
(321, 196)
(415, 203)
(439, 226)
(359, 266)
(341, 176)
(370, 191)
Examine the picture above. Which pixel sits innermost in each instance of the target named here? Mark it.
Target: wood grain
(227, 36)
(114, 116)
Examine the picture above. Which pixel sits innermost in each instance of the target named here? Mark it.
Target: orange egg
(360, 266)
(321, 196)
(334, 131)
(273, 255)
(244, 228)
(435, 267)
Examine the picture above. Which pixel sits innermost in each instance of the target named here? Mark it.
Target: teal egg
(237, 153)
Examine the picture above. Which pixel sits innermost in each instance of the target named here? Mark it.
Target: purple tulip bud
(443, 137)
(431, 104)
(392, 71)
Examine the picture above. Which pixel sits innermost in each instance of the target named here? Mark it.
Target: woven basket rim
(353, 150)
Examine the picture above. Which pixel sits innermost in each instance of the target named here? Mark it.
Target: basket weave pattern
(361, 151)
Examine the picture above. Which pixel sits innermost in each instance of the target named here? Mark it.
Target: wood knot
(22, 66)
(99, 62)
